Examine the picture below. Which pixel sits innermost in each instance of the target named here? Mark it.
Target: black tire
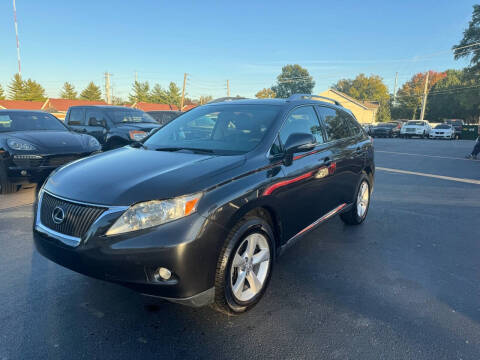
(225, 301)
(5, 186)
(352, 217)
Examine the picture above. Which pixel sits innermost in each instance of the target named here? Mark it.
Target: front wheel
(245, 266)
(357, 214)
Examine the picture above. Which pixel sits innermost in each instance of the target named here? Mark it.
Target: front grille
(60, 160)
(77, 220)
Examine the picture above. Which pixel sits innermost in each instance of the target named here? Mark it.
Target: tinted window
(414, 122)
(222, 129)
(443, 126)
(335, 124)
(130, 116)
(24, 121)
(76, 117)
(354, 127)
(94, 113)
(302, 120)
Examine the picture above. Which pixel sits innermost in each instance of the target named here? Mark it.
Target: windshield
(455, 122)
(388, 125)
(25, 120)
(130, 116)
(220, 129)
(443, 126)
(421, 123)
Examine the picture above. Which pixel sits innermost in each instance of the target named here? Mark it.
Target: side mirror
(298, 142)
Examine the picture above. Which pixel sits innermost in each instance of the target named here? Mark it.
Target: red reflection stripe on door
(269, 190)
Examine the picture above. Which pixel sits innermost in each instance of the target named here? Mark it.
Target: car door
(76, 119)
(345, 153)
(305, 192)
(94, 118)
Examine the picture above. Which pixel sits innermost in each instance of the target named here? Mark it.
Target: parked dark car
(112, 126)
(457, 125)
(163, 117)
(33, 143)
(388, 130)
(199, 211)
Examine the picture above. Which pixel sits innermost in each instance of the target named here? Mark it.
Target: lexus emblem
(58, 215)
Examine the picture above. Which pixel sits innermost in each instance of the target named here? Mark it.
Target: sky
(244, 42)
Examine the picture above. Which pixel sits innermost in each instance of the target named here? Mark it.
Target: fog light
(23, 173)
(162, 274)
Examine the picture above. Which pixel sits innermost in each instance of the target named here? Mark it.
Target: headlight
(92, 142)
(137, 135)
(20, 145)
(156, 212)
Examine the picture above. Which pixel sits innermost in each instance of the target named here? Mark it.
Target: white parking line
(431, 156)
(468, 181)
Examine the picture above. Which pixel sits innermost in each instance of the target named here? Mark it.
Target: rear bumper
(188, 247)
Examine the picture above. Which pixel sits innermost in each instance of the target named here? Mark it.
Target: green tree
(34, 91)
(456, 96)
(265, 93)
(368, 88)
(141, 92)
(2, 94)
(158, 95)
(471, 36)
(174, 95)
(92, 92)
(16, 88)
(68, 92)
(293, 80)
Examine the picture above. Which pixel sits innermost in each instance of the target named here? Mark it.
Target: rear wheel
(357, 214)
(245, 266)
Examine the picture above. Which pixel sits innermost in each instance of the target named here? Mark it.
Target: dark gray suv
(112, 126)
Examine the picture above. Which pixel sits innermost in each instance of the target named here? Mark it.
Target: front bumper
(189, 247)
(36, 170)
(440, 136)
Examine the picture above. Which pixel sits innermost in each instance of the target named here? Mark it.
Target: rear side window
(76, 117)
(302, 120)
(335, 124)
(94, 114)
(354, 127)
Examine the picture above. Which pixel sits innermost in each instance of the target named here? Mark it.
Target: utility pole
(183, 91)
(395, 89)
(228, 88)
(107, 88)
(16, 34)
(424, 101)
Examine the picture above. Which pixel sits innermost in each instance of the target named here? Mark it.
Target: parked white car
(442, 131)
(415, 128)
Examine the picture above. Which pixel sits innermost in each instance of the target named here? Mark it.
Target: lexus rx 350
(198, 211)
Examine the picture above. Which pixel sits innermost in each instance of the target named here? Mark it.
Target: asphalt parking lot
(404, 285)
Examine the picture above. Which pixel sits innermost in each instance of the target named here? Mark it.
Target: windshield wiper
(202, 151)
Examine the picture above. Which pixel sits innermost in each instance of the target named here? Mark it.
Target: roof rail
(310, 96)
(228, 98)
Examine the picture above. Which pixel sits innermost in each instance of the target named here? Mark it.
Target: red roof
(189, 107)
(21, 104)
(153, 107)
(64, 104)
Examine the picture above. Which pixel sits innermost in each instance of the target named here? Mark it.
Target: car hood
(138, 126)
(128, 175)
(53, 142)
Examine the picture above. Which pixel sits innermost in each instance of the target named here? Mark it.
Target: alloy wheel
(363, 198)
(250, 267)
